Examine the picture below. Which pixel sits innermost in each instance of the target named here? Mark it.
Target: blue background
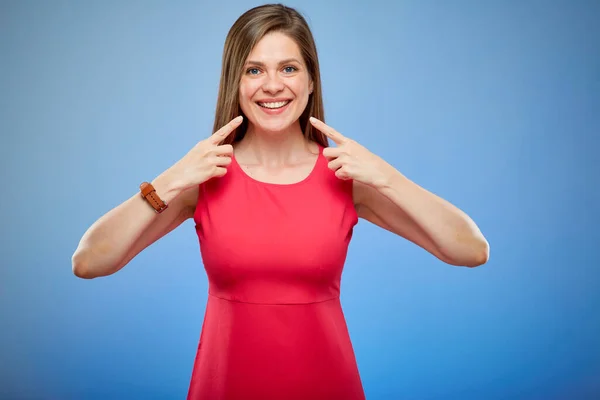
(495, 106)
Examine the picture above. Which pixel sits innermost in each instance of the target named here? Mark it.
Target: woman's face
(275, 84)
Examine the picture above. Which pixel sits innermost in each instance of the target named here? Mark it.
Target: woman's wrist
(166, 186)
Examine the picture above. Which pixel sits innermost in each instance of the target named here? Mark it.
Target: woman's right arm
(123, 232)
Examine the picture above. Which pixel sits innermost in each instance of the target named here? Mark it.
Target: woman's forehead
(274, 48)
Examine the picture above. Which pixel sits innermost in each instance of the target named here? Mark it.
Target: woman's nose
(273, 83)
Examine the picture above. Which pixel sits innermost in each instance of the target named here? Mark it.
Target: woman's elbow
(80, 266)
(473, 256)
(480, 254)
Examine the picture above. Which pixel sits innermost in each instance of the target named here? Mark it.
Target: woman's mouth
(275, 107)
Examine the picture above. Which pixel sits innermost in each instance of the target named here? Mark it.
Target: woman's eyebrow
(261, 64)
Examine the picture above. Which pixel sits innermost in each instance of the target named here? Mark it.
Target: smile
(275, 105)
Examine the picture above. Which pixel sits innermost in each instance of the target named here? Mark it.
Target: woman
(274, 208)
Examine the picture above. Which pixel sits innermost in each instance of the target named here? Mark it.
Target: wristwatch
(149, 193)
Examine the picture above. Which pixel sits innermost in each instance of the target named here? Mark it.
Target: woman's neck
(273, 149)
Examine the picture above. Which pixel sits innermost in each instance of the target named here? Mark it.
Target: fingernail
(238, 118)
(312, 119)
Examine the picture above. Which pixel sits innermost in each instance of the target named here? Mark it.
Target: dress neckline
(312, 173)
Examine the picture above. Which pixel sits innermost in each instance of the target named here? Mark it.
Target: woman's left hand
(350, 160)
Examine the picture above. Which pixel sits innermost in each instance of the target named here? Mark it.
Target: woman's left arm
(388, 199)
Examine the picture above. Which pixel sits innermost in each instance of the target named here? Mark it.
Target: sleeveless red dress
(274, 328)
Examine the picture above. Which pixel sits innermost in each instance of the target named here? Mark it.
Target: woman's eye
(289, 69)
(252, 71)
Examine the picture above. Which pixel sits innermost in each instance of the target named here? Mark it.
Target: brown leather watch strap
(149, 193)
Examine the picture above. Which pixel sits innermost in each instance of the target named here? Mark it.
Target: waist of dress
(274, 294)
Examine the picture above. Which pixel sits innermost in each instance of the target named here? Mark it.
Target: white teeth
(278, 104)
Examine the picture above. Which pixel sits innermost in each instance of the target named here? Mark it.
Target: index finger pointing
(222, 133)
(331, 133)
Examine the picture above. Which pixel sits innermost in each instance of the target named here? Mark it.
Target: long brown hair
(245, 33)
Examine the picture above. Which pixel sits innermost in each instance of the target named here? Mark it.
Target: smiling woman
(274, 208)
(270, 56)
(274, 326)
(275, 83)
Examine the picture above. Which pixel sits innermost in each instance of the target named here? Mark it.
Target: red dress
(274, 254)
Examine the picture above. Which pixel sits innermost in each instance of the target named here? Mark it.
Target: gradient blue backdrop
(495, 106)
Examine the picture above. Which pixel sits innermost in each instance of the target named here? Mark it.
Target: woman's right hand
(206, 160)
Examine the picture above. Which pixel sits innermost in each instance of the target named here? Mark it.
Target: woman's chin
(273, 127)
